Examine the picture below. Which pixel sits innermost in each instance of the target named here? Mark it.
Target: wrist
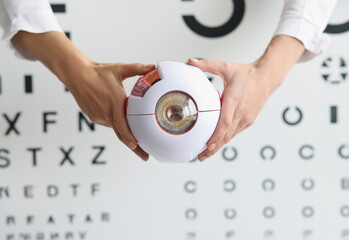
(278, 59)
(55, 51)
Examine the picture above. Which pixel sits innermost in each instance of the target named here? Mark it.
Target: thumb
(132, 69)
(215, 67)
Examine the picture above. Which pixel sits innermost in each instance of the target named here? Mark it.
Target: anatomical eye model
(173, 111)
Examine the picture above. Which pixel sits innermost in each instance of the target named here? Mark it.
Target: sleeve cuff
(39, 21)
(314, 41)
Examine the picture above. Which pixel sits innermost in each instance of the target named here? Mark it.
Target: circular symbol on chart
(337, 28)
(230, 213)
(221, 30)
(190, 187)
(306, 152)
(268, 185)
(229, 154)
(268, 152)
(229, 185)
(344, 211)
(308, 212)
(191, 214)
(343, 151)
(307, 184)
(339, 20)
(334, 70)
(268, 212)
(293, 118)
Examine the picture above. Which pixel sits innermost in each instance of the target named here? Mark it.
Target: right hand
(96, 87)
(99, 91)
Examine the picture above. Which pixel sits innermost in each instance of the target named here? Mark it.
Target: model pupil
(175, 113)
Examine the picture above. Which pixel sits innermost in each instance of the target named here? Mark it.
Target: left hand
(248, 86)
(246, 89)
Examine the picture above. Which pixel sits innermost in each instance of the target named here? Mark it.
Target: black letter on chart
(66, 156)
(83, 118)
(52, 191)
(12, 123)
(4, 192)
(47, 121)
(34, 150)
(100, 150)
(4, 160)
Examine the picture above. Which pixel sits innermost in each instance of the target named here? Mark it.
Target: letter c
(219, 31)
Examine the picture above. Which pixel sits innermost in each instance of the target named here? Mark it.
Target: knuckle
(226, 123)
(123, 136)
(225, 65)
(248, 120)
(137, 66)
(226, 139)
(126, 136)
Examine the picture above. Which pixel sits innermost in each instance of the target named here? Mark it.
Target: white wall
(127, 199)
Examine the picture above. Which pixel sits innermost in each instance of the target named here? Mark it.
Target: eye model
(172, 111)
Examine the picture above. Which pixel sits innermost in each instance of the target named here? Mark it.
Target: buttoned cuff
(313, 39)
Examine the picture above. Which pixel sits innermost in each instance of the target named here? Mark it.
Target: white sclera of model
(178, 81)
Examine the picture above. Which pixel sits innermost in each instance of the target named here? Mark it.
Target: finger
(225, 121)
(227, 137)
(230, 134)
(207, 153)
(229, 121)
(215, 67)
(137, 150)
(239, 129)
(246, 123)
(241, 121)
(141, 153)
(123, 132)
(124, 71)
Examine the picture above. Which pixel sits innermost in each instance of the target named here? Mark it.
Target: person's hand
(99, 91)
(96, 87)
(247, 87)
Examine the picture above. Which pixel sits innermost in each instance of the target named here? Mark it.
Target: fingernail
(194, 59)
(201, 159)
(211, 147)
(132, 145)
(149, 66)
(145, 158)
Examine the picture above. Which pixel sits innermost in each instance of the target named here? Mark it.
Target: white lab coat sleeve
(306, 21)
(35, 16)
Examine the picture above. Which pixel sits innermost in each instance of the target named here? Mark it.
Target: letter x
(12, 123)
(66, 156)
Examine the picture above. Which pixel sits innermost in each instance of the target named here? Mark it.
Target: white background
(148, 200)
